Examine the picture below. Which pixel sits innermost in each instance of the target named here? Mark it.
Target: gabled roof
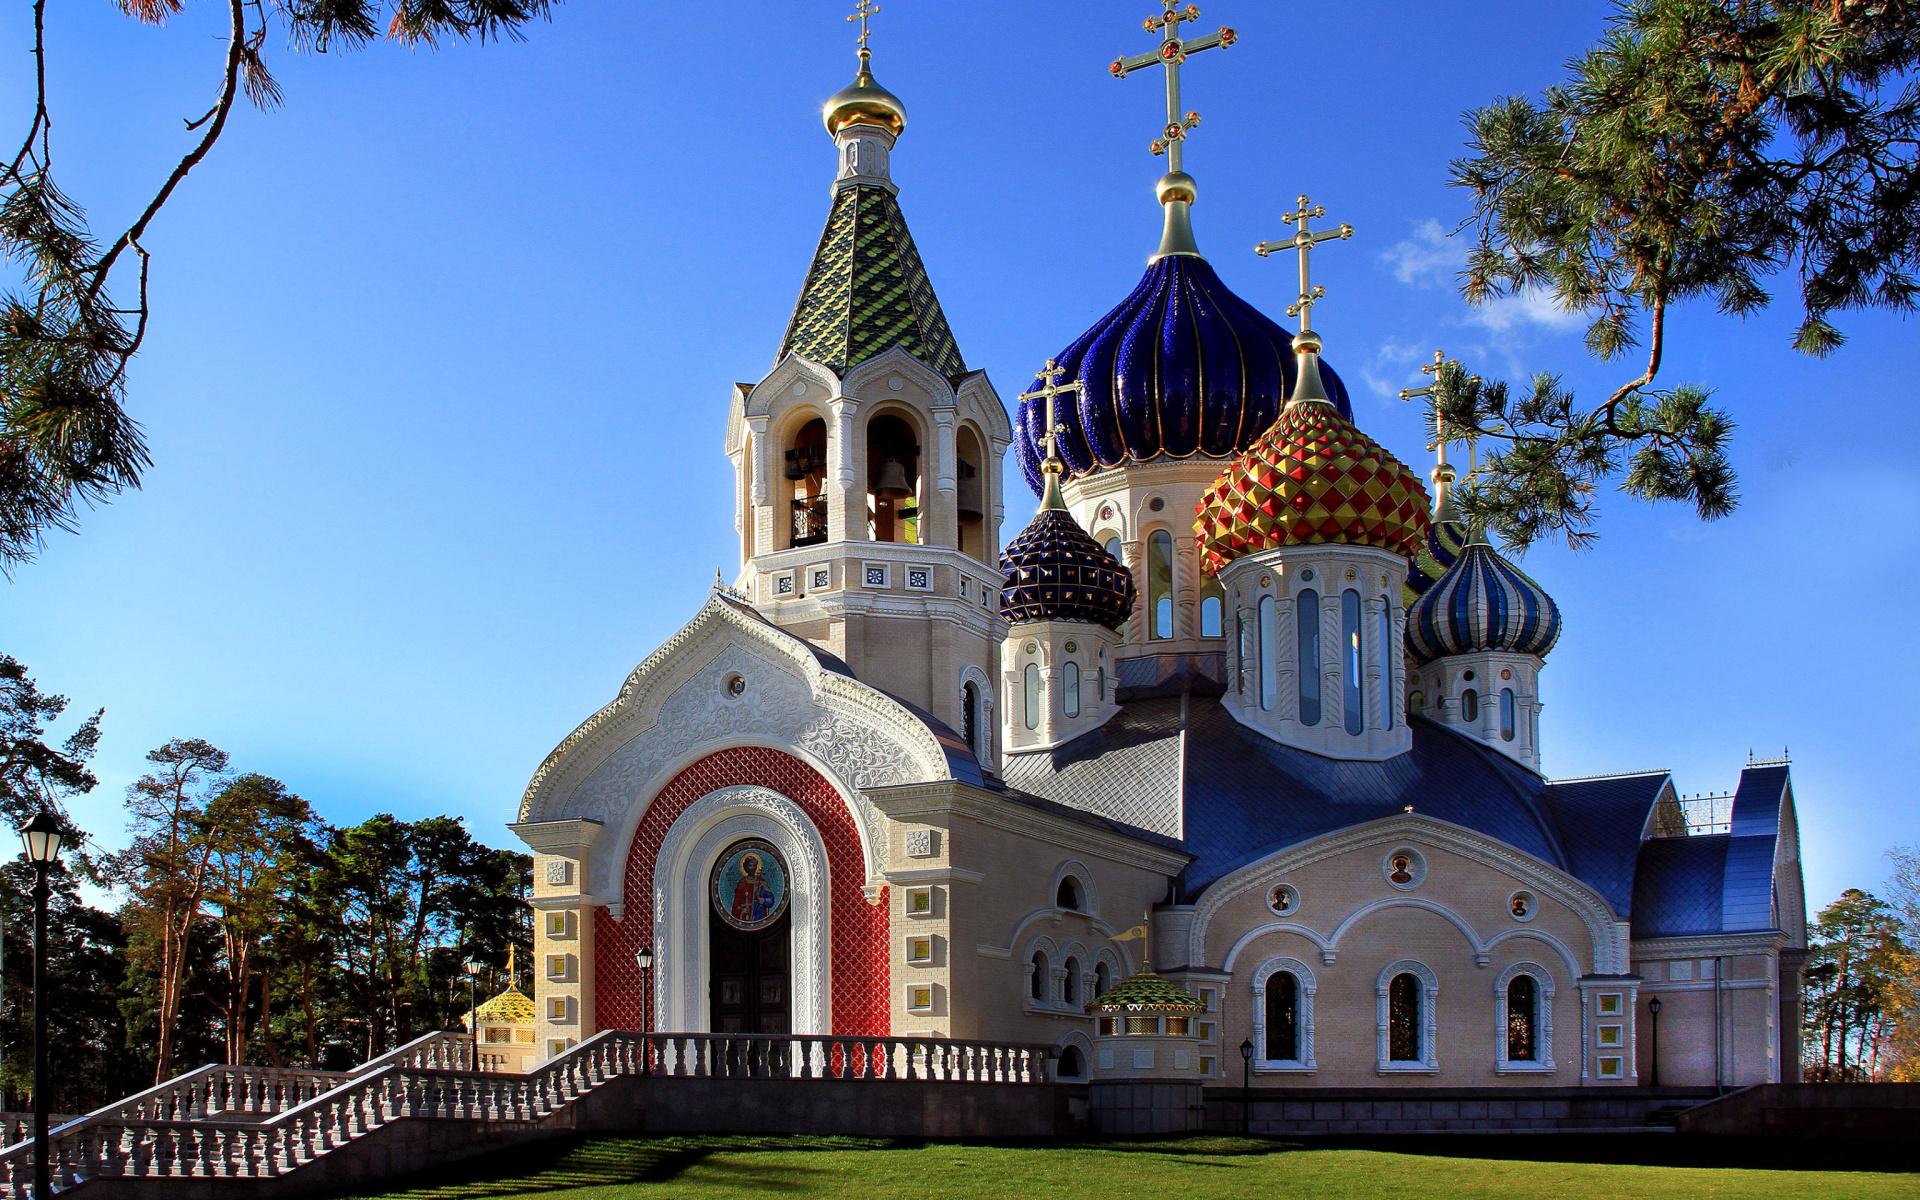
(1602, 819)
(867, 291)
(1720, 882)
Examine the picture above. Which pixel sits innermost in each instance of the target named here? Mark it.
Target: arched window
(1306, 615)
(970, 500)
(1112, 546)
(1268, 652)
(893, 480)
(1160, 582)
(806, 473)
(1031, 677)
(1469, 706)
(1403, 1018)
(970, 716)
(1283, 1017)
(1212, 604)
(1073, 1064)
(1037, 986)
(1070, 986)
(1506, 714)
(1102, 979)
(1417, 701)
(1523, 1017)
(1386, 662)
(1351, 699)
(1070, 688)
(1069, 894)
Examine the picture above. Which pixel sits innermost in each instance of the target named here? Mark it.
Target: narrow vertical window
(1522, 1017)
(1102, 978)
(1070, 689)
(1267, 651)
(1283, 1018)
(1351, 697)
(1032, 679)
(970, 717)
(1213, 603)
(1112, 546)
(1307, 670)
(1070, 986)
(1160, 581)
(1469, 706)
(1403, 1019)
(1037, 986)
(1506, 714)
(1387, 689)
(1240, 654)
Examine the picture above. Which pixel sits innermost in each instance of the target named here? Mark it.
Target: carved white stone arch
(899, 361)
(1079, 1041)
(1081, 974)
(1116, 969)
(693, 844)
(1262, 976)
(1326, 947)
(1429, 1060)
(1089, 898)
(675, 709)
(985, 719)
(1479, 949)
(1049, 986)
(1534, 934)
(1543, 1021)
(765, 396)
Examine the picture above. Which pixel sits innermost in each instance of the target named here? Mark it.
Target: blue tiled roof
(1603, 818)
(1717, 883)
(1678, 886)
(1747, 894)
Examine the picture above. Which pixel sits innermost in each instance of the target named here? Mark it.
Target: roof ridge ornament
(1051, 466)
(1176, 189)
(1307, 387)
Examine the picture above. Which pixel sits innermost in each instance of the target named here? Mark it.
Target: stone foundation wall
(1431, 1110)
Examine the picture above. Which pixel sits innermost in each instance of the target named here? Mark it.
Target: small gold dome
(864, 102)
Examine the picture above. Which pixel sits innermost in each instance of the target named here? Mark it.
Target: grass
(1617, 1166)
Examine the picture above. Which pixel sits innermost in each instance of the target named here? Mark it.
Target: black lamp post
(474, 966)
(1246, 1087)
(643, 958)
(1653, 1059)
(42, 836)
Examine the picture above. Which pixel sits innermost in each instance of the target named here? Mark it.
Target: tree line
(1862, 982)
(237, 925)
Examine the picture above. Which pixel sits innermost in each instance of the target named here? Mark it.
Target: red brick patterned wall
(858, 946)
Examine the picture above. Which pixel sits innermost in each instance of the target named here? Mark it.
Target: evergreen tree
(1854, 977)
(1702, 147)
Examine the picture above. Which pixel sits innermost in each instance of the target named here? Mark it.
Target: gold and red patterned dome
(1311, 477)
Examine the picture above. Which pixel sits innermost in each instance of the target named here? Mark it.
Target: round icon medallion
(750, 885)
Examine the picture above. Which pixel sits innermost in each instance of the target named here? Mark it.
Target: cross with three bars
(1171, 52)
(1304, 240)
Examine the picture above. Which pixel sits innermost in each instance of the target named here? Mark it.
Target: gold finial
(512, 977)
(1304, 240)
(1176, 189)
(1051, 466)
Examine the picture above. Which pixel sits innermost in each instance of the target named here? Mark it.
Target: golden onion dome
(864, 102)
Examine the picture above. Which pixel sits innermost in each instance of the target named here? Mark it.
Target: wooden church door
(749, 935)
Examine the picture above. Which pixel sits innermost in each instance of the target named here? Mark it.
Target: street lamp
(643, 958)
(1246, 1087)
(473, 967)
(1653, 1058)
(42, 836)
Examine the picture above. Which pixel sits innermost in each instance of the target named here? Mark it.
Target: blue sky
(438, 375)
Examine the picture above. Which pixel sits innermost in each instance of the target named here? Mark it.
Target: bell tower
(867, 461)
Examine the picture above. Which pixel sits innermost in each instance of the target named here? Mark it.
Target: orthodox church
(1243, 721)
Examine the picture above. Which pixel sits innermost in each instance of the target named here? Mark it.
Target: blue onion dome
(1055, 572)
(1182, 367)
(1482, 602)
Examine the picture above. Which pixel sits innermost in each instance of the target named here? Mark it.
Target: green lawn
(1614, 1166)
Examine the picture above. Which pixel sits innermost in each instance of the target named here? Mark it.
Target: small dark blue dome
(1055, 572)
(1182, 367)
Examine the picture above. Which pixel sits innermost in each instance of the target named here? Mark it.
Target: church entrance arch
(749, 940)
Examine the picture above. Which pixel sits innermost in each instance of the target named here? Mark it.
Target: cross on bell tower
(1052, 467)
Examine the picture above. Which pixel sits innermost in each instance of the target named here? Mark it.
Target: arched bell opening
(893, 480)
(806, 480)
(970, 479)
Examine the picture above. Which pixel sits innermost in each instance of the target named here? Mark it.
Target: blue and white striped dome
(1483, 602)
(1182, 367)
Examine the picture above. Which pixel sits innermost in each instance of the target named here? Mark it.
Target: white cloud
(1527, 308)
(1429, 257)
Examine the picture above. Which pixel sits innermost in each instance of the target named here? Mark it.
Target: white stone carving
(559, 872)
(919, 843)
(687, 854)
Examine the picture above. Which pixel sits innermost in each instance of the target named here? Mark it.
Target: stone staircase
(246, 1132)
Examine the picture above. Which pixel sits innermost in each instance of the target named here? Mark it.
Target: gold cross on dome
(1431, 391)
(863, 10)
(1053, 387)
(1171, 52)
(1304, 240)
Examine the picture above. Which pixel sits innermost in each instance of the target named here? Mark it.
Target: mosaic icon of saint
(752, 898)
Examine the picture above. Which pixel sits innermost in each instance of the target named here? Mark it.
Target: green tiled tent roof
(1145, 992)
(868, 291)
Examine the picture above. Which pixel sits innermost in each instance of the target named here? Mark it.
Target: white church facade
(1243, 705)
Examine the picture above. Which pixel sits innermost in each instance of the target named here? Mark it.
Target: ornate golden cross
(1304, 240)
(1430, 391)
(863, 10)
(1170, 54)
(1053, 387)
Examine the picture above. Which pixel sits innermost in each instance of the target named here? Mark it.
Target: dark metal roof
(1247, 797)
(1717, 883)
(1678, 886)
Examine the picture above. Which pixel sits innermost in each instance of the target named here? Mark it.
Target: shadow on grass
(1648, 1150)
